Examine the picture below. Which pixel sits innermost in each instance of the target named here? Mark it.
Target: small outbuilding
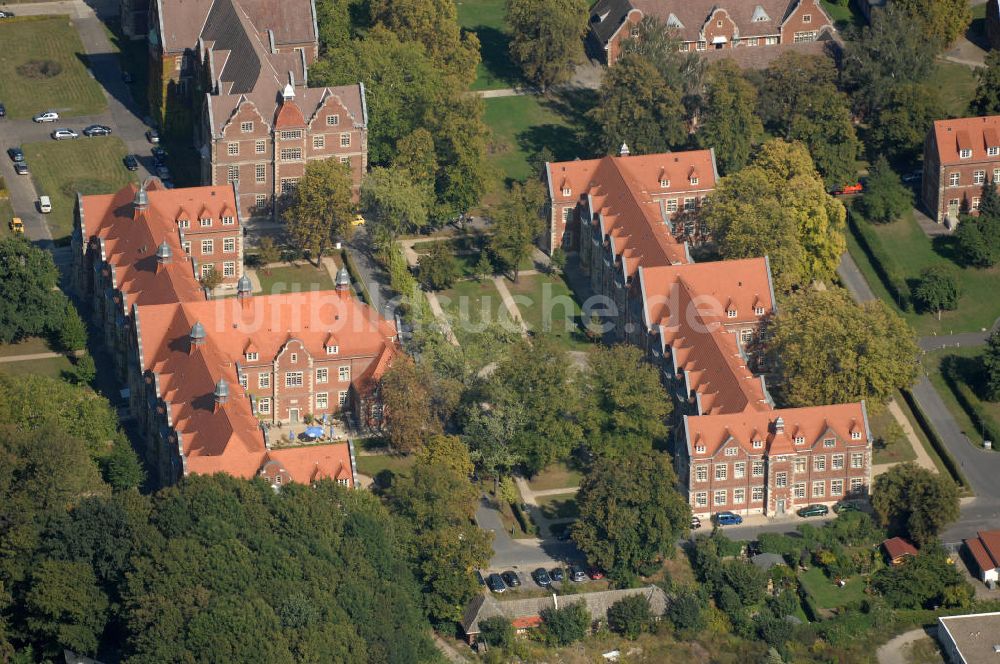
(897, 550)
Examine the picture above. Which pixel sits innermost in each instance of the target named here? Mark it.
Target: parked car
(358, 220)
(849, 189)
(3, 111)
(159, 156)
(541, 577)
(6, 13)
(695, 523)
(44, 204)
(557, 574)
(814, 510)
(152, 136)
(60, 134)
(511, 579)
(21, 167)
(577, 574)
(16, 225)
(15, 154)
(595, 574)
(131, 162)
(728, 519)
(846, 506)
(496, 583)
(47, 116)
(97, 130)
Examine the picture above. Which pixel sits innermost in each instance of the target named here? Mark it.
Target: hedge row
(970, 403)
(527, 525)
(356, 275)
(882, 261)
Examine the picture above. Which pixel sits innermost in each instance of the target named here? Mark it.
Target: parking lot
(529, 582)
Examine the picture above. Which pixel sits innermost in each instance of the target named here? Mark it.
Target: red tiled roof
(897, 547)
(315, 462)
(986, 549)
(974, 134)
(810, 425)
(289, 115)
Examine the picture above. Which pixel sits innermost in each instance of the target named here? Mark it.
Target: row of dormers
(757, 440)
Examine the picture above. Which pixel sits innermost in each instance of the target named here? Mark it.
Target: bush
(72, 332)
(686, 612)
(83, 372)
(938, 290)
(566, 625)
(497, 631)
(438, 268)
(629, 616)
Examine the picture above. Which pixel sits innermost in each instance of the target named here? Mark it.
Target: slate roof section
(183, 20)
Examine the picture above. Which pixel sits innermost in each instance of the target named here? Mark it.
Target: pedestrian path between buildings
(30, 356)
(449, 334)
(923, 459)
(511, 305)
(530, 498)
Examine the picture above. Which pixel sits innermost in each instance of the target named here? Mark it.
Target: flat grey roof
(976, 635)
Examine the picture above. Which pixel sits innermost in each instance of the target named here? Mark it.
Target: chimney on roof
(343, 283)
(779, 425)
(197, 335)
(221, 393)
(163, 254)
(623, 150)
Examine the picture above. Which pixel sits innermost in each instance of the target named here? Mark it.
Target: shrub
(566, 625)
(72, 332)
(497, 631)
(686, 612)
(629, 616)
(438, 268)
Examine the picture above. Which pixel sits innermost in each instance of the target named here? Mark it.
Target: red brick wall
(719, 24)
(625, 32)
(797, 21)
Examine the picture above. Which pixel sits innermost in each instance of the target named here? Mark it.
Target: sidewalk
(923, 459)
(530, 498)
(508, 301)
(30, 356)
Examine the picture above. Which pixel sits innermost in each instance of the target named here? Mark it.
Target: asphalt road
(122, 114)
(523, 555)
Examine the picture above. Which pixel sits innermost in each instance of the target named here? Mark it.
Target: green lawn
(471, 305)
(966, 361)
(844, 16)
(522, 126)
(42, 68)
(826, 594)
(547, 307)
(373, 465)
(466, 250)
(85, 165)
(294, 279)
(559, 506)
(52, 367)
(913, 251)
(486, 18)
(29, 346)
(556, 476)
(956, 85)
(896, 449)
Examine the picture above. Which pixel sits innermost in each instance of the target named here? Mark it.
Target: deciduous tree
(547, 38)
(438, 268)
(915, 502)
(394, 203)
(901, 122)
(659, 44)
(827, 349)
(942, 21)
(786, 86)
(886, 198)
(823, 122)
(517, 222)
(320, 210)
(566, 624)
(29, 300)
(925, 581)
(409, 417)
(987, 98)
(729, 123)
(497, 631)
(630, 616)
(938, 289)
(630, 513)
(65, 608)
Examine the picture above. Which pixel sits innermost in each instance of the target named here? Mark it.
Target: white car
(44, 204)
(47, 116)
(60, 134)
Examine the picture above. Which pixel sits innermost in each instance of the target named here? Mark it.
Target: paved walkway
(432, 300)
(853, 280)
(508, 301)
(530, 498)
(895, 651)
(30, 356)
(506, 92)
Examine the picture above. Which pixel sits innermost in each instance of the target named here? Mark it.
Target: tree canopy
(886, 198)
(941, 21)
(827, 349)
(517, 222)
(394, 203)
(31, 304)
(978, 236)
(987, 98)
(547, 38)
(320, 208)
(915, 502)
(729, 122)
(938, 289)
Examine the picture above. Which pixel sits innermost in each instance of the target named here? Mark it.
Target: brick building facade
(751, 27)
(960, 157)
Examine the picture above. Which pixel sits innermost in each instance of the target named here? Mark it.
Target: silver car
(60, 134)
(47, 116)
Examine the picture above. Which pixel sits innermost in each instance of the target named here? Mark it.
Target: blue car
(728, 519)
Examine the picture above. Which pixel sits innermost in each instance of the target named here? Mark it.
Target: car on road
(6, 13)
(16, 225)
(97, 130)
(727, 519)
(813, 510)
(846, 506)
(542, 577)
(577, 574)
(44, 204)
(557, 574)
(47, 116)
(695, 523)
(3, 111)
(60, 134)
(152, 136)
(21, 167)
(15, 154)
(511, 579)
(159, 156)
(495, 583)
(848, 189)
(131, 162)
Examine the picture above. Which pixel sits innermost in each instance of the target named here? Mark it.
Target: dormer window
(567, 191)
(184, 223)
(731, 451)
(855, 435)
(993, 151)
(965, 153)
(228, 221)
(294, 358)
(700, 449)
(731, 313)
(252, 357)
(758, 311)
(800, 440)
(694, 179)
(758, 444)
(205, 222)
(332, 350)
(829, 442)
(664, 183)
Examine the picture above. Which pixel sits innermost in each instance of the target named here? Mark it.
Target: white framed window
(184, 223)
(332, 120)
(856, 435)
(694, 180)
(319, 142)
(858, 460)
(781, 480)
(342, 398)
(770, 41)
(345, 140)
(757, 469)
(954, 179)
(800, 440)
(260, 201)
(719, 497)
(246, 127)
(701, 473)
(699, 449)
(345, 160)
(207, 247)
(243, 381)
(857, 484)
(294, 357)
(332, 350)
(344, 373)
(806, 36)
(186, 244)
(739, 469)
(965, 153)
(837, 462)
(343, 482)
(229, 269)
(293, 379)
(229, 245)
(751, 41)
(322, 375)
(701, 499)
(689, 203)
(721, 471)
(233, 149)
(290, 154)
(996, 175)
(732, 451)
(800, 465)
(953, 202)
(757, 494)
(819, 489)
(829, 442)
(671, 205)
(739, 496)
(819, 462)
(565, 214)
(978, 177)
(228, 221)
(758, 444)
(288, 185)
(207, 269)
(252, 357)
(664, 183)
(746, 336)
(799, 490)
(260, 173)
(260, 147)
(322, 400)
(290, 134)
(993, 151)
(264, 380)
(807, 18)
(701, 46)
(205, 222)
(731, 313)
(836, 487)
(758, 311)
(232, 173)
(264, 406)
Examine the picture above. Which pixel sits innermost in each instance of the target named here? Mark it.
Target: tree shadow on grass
(562, 141)
(946, 246)
(494, 47)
